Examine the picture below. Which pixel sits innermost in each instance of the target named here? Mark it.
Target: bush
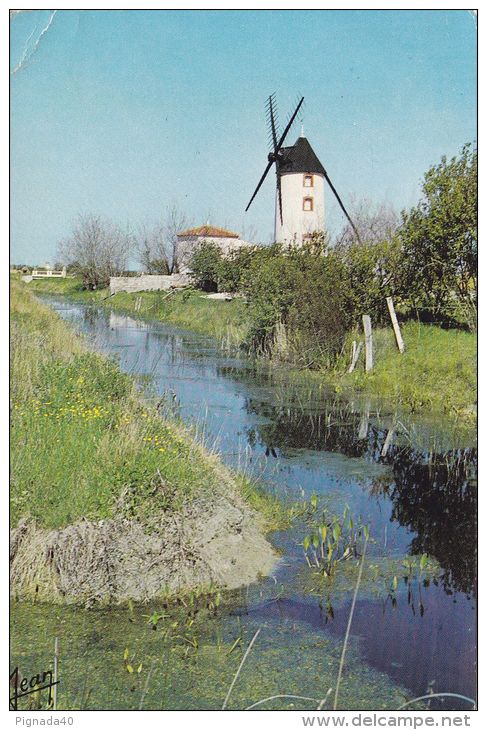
(204, 265)
(211, 270)
(233, 268)
(371, 270)
(299, 305)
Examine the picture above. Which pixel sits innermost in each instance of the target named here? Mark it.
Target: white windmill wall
(296, 222)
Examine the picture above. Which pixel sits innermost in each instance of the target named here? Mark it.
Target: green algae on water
(287, 658)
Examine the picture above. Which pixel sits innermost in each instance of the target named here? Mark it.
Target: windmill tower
(302, 194)
(300, 184)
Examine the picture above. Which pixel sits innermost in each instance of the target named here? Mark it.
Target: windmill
(300, 177)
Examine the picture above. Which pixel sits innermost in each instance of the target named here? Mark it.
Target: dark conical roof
(300, 158)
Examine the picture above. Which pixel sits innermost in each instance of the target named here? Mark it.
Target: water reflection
(433, 495)
(335, 428)
(442, 638)
(408, 478)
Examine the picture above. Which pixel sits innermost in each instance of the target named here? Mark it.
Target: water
(299, 439)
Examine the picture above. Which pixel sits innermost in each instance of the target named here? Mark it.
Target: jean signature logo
(24, 687)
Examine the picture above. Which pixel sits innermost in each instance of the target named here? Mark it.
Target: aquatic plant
(413, 576)
(332, 539)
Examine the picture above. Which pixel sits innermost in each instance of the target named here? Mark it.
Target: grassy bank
(226, 321)
(79, 433)
(437, 371)
(84, 446)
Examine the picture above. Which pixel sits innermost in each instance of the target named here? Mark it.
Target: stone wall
(147, 282)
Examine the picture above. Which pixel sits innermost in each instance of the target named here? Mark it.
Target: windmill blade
(342, 206)
(289, 125)
(279, 193)
(272, 121)
(269, 165)
(277, 147)
(296, 102)
(273, 158)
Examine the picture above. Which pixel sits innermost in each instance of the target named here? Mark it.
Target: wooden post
(369, 357)
(355, 355)
(56, 658)
(395, 324)
(364, 426)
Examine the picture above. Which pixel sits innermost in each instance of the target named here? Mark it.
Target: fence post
(369, 357)
(395, 324)
(357, 349)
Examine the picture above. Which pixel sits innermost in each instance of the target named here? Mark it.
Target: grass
(225, 321)
(68, 287)
(437, 372)
(81, 435)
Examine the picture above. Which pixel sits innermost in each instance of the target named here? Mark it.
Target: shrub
(233, 268)
(299, 304)
(371, 270)
(205, 264)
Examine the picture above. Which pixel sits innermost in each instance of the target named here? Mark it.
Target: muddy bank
(215, 541)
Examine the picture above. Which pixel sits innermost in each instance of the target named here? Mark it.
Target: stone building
(189, 240)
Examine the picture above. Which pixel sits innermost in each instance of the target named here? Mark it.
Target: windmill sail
(299, 158)
(274, 156)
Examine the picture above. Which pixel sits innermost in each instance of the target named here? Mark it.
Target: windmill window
(308, 181)
(308, 204)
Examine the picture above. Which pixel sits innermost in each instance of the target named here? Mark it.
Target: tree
(374, 223)
(175, 221)
(372, 262)
(151, 249)
(439, 241)
(205, 264)
(96, 250)
(249, 233)
(157, 244)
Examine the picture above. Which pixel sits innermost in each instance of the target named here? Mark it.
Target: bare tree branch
(375, 223)
(97, 249)
(175, 221)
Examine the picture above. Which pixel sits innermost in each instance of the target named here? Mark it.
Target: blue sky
(126, 112)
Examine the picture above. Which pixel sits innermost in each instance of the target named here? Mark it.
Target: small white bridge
(46, 273)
